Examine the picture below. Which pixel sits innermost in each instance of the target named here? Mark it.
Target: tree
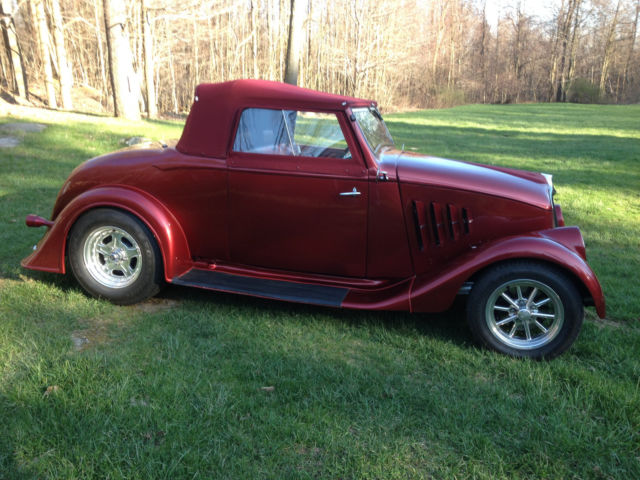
(124, 84)
(44, 46)
(14, 68)
(147, 45)
(608, 50)
(632, 42)
(295, 40)
(64, 69)
(567, 20)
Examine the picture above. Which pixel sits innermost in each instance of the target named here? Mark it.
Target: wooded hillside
(404, 53)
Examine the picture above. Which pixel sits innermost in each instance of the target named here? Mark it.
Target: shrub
(582, 90)
(448, 97)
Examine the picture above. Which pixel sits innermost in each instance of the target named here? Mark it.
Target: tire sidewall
(549, 275)
(150, 278)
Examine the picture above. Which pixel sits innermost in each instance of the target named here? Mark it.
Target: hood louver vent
(438, 223)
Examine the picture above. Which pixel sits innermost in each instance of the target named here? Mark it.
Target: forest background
(127, 57)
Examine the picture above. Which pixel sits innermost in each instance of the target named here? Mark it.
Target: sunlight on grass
(523, 132)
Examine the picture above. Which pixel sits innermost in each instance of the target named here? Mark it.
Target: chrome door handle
(352, 193)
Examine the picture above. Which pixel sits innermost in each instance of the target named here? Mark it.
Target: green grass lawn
(199, 384)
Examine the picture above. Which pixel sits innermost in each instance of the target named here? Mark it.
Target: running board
(267, 288)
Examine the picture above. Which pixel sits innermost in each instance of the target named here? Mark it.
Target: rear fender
(436, 291)
(49, 255)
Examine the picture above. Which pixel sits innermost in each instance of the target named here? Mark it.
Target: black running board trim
(278, 289)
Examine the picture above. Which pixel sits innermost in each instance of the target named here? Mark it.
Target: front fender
(49, 254)
(436, 291)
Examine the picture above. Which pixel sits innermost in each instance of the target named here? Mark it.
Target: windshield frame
(369, 135)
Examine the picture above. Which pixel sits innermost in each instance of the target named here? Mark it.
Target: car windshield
(374, 130)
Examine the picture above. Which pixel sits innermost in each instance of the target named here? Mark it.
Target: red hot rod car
(282, 192)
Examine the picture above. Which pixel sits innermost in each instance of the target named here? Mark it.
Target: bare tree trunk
(147, 46)
(254, 37)
(573, 49)
(100, 53)
(271, 58)
(172, 74)
(16, 78)
(608, 50)
(212, 53)
(6, 77)
(196, 52)
(453, 41)
(483, 60)
(564, 41)
(355, 84)
(520, 26)
(45, 50)
(64, 69)
(295, 40)
(496, 91)
(553, 74)
(440, 29)
(112, 77)
(123, 82)
(634, 32)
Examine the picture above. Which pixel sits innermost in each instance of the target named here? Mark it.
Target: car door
(298, 194)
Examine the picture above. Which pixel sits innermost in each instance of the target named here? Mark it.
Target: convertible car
(287, 193)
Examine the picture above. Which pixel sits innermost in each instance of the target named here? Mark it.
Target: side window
(319, 135)
(290, 132)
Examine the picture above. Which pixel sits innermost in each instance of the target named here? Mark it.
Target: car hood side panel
(452, 207)
(526, 187)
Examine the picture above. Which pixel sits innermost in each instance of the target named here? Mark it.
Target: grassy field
(199, 384)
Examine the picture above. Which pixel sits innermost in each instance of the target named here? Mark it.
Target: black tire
(525, 309)
(113, 255)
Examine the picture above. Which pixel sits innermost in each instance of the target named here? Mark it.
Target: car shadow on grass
(449, 325)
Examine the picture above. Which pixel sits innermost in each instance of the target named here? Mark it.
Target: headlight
(549, 179)
(558, 221)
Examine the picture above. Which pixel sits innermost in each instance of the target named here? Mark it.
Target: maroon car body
(359, 228)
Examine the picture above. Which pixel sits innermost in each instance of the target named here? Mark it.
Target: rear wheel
(113, 255)
(525, 309)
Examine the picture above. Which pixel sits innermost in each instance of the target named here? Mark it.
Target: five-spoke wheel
(113, 255)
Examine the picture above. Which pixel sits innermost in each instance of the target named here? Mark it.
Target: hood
(519, 185)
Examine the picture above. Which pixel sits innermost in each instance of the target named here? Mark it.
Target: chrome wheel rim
(524, 314)
(112, 257)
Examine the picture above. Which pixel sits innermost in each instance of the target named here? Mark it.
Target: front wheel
(114, 256)
(525, 309)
